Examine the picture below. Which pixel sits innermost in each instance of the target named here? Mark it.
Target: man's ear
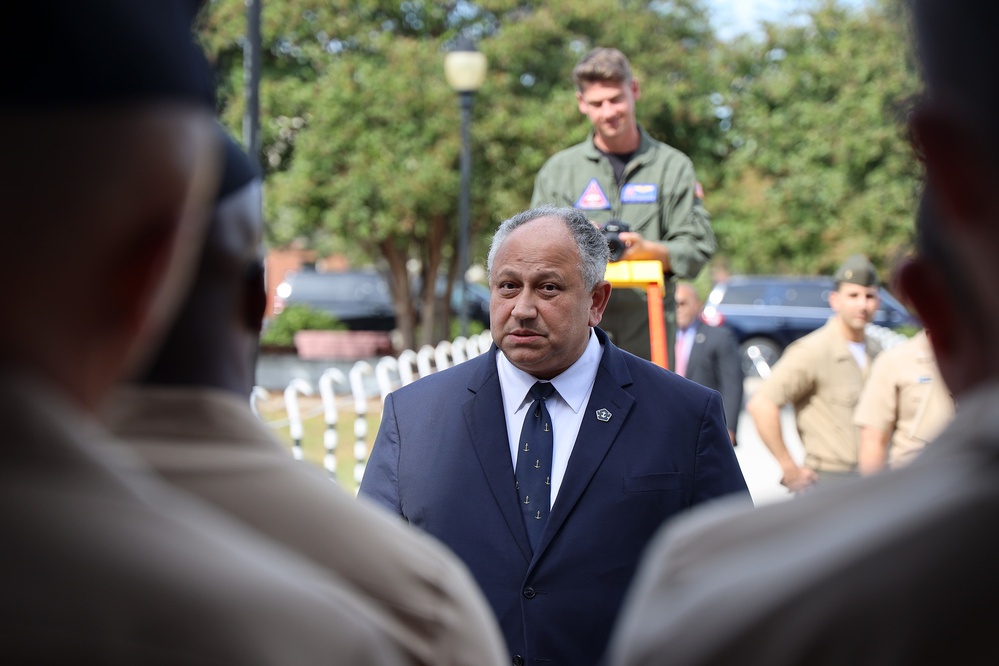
(954, 166)
(599, 299)
(834, 299)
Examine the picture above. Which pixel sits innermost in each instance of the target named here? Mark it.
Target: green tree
(819, 165)
(359, 129)
(798, 137)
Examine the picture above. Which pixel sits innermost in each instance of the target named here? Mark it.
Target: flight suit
(659, 197)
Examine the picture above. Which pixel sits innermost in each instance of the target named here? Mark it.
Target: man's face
(540, 308)
(687, 306)
(610, 106)
(855, 305)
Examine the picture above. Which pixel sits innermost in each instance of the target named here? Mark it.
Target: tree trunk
(405, 314)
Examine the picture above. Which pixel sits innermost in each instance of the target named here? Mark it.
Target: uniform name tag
(639, 193)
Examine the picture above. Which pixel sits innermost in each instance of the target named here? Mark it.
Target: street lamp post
(251, 79)
(465, 71)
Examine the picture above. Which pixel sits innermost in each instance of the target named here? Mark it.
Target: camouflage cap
(857, 269)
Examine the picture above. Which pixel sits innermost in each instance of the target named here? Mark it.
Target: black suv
(359, 299)
(362, 299)
(769, 312)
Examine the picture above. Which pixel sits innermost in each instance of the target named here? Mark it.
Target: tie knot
(542, 390)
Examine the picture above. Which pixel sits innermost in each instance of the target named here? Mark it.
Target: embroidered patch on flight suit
(593, 198)
(639, 193)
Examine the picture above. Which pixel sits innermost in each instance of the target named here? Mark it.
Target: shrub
(280, 331)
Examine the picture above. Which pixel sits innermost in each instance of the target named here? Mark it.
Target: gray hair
(593, 251)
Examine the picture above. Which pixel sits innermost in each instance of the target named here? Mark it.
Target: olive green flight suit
(659, 197)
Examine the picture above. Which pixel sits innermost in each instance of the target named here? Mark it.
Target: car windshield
(340, 287)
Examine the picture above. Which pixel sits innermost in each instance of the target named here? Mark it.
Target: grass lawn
(273, 412)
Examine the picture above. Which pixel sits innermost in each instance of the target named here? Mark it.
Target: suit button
(518, 660)
(529, 592)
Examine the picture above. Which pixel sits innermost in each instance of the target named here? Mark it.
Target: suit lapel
(486, 424)
(595, 435)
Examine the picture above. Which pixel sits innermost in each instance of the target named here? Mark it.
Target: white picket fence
(339, 390)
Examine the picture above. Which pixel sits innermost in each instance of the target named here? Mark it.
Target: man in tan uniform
(109, 161)
(904, 405)
(189, 417)
(822, 375)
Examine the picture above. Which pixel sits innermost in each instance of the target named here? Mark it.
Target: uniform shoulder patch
(593, 198)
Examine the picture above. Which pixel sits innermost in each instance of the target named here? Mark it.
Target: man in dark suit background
(629, 446)
(708, 355)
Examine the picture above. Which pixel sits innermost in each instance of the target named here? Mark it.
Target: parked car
(360, 299)
(769, 312)
(478, 298)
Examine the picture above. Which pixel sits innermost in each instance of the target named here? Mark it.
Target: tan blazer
(210, 444)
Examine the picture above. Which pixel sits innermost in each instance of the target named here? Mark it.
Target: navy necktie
(534, 463)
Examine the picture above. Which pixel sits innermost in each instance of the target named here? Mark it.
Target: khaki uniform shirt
(210, 444)
(820, 377)
(864, 573)
(906, 396)
(103, 563)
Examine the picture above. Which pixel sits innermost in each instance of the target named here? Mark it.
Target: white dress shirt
(565, 407)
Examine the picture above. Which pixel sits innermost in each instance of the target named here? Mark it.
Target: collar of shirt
(574, 387)
(688, 334)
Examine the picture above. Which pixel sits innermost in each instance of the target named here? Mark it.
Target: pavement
(758, 465)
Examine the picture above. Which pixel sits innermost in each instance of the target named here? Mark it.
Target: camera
(611, 231)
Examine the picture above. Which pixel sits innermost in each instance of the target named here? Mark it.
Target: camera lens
(611, 231)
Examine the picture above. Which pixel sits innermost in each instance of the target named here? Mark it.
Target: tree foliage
(798, 137)
(821, 166)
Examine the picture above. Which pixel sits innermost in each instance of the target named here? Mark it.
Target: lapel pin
(603, 415)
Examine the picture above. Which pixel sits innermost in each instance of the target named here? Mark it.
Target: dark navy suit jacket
(442, 461)
(715, 362)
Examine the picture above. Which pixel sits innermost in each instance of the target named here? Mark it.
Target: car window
(739, 294)
(339, 287)
(807, 296)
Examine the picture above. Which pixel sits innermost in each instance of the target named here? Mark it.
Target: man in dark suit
(708, 355)
(619, 447)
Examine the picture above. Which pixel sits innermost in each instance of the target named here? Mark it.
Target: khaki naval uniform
(905, 395)
(894, 569)
(103, 563)
(819, 376)
(210, 444)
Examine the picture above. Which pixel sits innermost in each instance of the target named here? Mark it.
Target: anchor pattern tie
(534, 463)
